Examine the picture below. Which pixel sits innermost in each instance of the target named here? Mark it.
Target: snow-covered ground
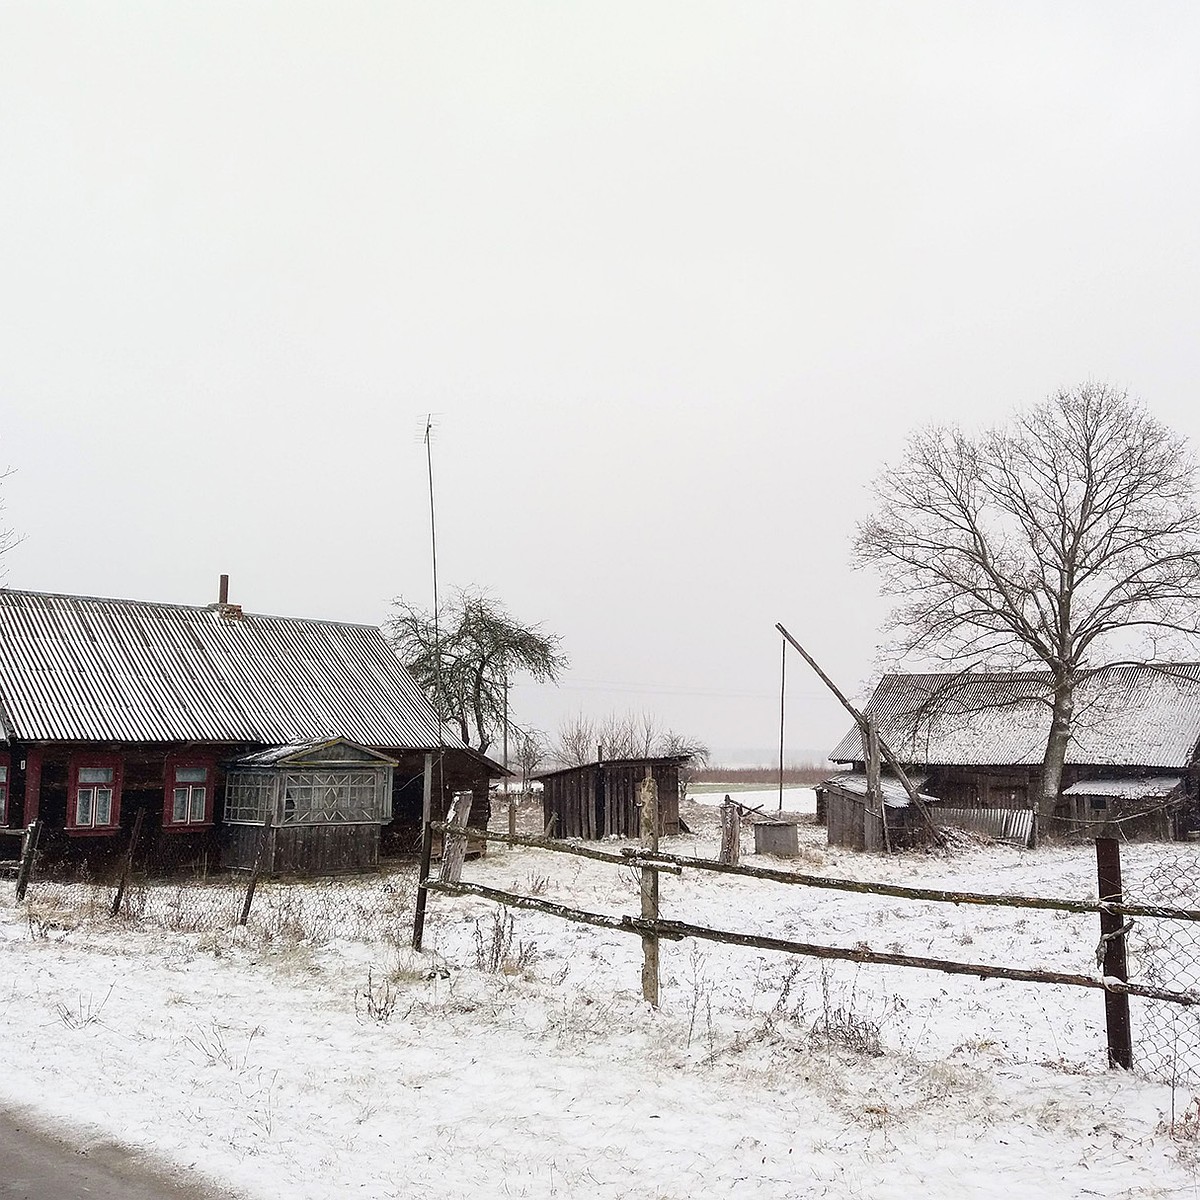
(342, 1067)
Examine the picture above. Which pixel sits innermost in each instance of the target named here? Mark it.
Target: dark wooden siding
(601, 799)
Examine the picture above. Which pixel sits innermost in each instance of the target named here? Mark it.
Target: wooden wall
(601, 799)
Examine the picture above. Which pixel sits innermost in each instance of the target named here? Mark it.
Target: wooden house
(977, 741)
(113, 707)
(600, 799)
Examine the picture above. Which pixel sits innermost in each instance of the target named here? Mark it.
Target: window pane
(95, 774)
(191, 774)
(179, 811)
(83, 807)
(198, 795)
(103, 806)
(3, 773)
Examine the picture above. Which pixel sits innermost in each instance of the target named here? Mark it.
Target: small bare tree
(1051, 542)
(478, 647)
(529, 751)
(631, 735)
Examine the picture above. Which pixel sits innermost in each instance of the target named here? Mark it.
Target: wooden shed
(327, 802)
(600, 799)
(856, 822)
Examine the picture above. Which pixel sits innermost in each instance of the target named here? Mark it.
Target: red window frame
(170, 768)
(5, 786)
(78, 762)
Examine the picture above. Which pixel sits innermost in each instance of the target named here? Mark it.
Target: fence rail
(675, 862)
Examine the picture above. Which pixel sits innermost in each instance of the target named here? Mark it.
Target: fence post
(731, 833)
(426, 854)
(127, 865)
(454, 839)
(260, 858)
(28, 849)
(1112, 942)
(648, 797)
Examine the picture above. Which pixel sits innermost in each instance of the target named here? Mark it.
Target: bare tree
(582, 739)
(1067, 540)
(529, 751)
(479, 647)
(8, 538)
(576, 742)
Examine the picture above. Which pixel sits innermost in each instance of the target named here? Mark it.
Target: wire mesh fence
(173, 890)
(1166, 953)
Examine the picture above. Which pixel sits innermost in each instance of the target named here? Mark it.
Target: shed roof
(83, 668)
(1130, 716)
(651, 761)
(891, 790)
(324, 750)
(1145, 787)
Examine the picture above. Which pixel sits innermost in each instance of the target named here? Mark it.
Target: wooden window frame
(82, 761)
(171, 767)
(5, 786)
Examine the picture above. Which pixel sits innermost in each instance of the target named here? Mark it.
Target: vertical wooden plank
(454, 841)
(1112, 934)
(731, 833)
(649, 842)
(426, 854)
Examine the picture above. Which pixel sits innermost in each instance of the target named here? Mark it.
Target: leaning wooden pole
(260, 862)
(28, 850)
(426, 854)
(127, 863)
(888, 757)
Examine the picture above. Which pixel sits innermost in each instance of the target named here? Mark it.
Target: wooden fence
(1110, 908)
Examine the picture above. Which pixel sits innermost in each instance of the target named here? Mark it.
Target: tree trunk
(1056, 752)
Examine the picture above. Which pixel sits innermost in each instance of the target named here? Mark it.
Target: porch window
(95, 795)
(187, 794)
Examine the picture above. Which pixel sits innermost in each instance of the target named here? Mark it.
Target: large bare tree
(1065, 540)
(479, 647)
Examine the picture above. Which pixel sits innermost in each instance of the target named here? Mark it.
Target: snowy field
(520, 1061)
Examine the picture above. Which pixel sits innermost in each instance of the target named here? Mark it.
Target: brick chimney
(227, 611)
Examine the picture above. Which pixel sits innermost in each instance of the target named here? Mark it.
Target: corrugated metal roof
(1153, 787)
(1136, 716)
(891, 790)
(651, 760)
(82, 668)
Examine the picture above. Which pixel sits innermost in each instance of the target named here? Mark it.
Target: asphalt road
(35, 1165)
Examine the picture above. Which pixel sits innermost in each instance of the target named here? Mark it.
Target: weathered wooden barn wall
(600, 800)
(853, 823)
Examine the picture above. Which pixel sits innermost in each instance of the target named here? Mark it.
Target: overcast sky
(675, 280)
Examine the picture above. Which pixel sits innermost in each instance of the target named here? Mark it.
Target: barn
(114, 708)
(977, 741)
(600, 799)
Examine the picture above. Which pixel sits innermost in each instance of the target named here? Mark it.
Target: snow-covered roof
(335, 750)
(82, 668)
(1146, 787)
(892, 790)
(1134, 716)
